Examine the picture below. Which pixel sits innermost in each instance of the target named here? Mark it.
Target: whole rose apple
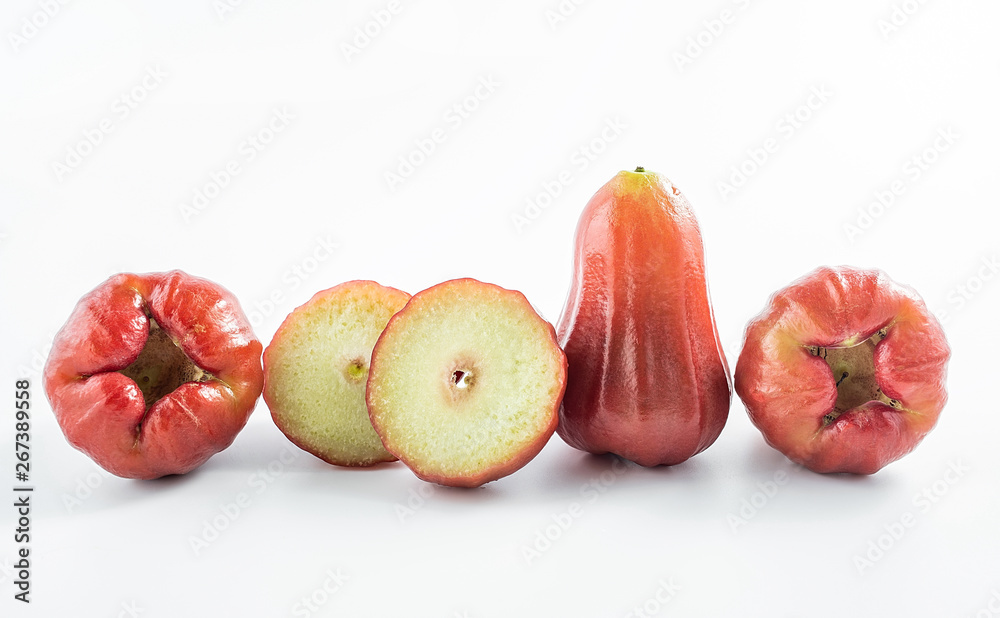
(648, 380)
(153, 374)
(844, 371)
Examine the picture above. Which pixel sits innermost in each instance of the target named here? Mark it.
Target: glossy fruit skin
(788, 391)
(102, 412)
(648, 379)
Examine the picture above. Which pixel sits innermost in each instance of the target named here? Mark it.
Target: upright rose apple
(844, 371)
(153, 374)
(647, 376)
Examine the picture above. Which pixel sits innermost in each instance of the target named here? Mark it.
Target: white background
(697, 96)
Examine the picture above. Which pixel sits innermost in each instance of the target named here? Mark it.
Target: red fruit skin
(102, 412)
(648, 379)
(787, 391)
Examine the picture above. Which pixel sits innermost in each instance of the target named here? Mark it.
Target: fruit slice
(465, 383)
(316, 367)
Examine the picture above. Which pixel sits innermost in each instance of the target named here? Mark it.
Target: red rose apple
(648, 380)
(153, 374)
(844, 371)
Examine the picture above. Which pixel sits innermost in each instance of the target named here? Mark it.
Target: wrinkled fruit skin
(648, 380)
(790, 392)
(102, 412)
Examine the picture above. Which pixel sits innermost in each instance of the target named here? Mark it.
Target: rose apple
(648, 380)
(153, 374)
(465, 383)
(844, 371)
(316, 370)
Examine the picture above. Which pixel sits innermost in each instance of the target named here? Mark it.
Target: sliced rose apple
(465, 383)
(316, 369)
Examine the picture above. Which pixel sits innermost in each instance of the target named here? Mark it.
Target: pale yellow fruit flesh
(466, 382)
(318, 367)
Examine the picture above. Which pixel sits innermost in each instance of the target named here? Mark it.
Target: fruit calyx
(461, 379)
(356, 370)
(162, 366)
(852, 367)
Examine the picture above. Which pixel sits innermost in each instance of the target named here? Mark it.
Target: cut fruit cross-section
(316, 368)
(465, 383)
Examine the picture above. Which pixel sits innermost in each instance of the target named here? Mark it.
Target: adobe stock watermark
(30, 26)
(84, 488)
(712, 29)
(457, 114)
(562, 12)
(666, 590)
(228, 512)
(366, 33)
(121, 108)
(991, 608)
(130, 609)
(963, 293)
(34, 367)
(262, 308)
(416, 499)
(312, 603)
(894, 531)
(7, 570)
(757, 501)
(225, 8)
(915, 168)
(733, 348)
(787, 127)
(590, 492)
(898, 17)
(251, 147)
(579, 161)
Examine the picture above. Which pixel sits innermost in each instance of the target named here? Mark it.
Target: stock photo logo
(455, 116)
(123, 106)
(579, 161)
(251, 147)
(894, 532)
